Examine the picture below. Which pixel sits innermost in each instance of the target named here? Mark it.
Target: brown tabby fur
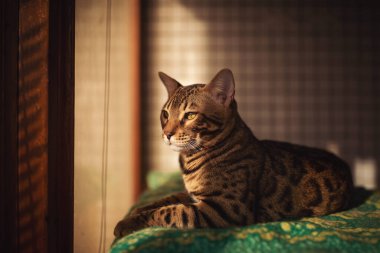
(231, 177)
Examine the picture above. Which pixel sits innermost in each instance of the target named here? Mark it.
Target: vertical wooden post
(36, 121)
(61, 126)
(32, 125)
(8, 125)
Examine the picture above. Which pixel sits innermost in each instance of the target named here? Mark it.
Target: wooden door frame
(61, 126)
(60, 148)
(8, 125)
(60, 123)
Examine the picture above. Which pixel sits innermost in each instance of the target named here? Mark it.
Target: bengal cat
(231, 177)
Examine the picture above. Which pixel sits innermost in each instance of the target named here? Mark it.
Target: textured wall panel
(305, 71)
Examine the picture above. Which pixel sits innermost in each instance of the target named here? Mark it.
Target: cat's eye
(190, 115)
(165, 114)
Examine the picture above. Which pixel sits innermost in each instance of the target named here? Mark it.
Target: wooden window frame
(61, 126)
(8, 125)
(58, 193)
(60, 147)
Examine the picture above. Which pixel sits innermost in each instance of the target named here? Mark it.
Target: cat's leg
(165, 216)
(181, 197)
(194, 215)
(139, 216)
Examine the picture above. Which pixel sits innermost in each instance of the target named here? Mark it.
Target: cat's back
(318, 159)
(308, 181)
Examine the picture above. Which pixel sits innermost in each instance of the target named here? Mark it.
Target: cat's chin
(176, 148)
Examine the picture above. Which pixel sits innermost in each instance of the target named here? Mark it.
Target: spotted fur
(231, 177)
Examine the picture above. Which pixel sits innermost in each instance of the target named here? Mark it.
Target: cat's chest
(215, 181)
(194, 184)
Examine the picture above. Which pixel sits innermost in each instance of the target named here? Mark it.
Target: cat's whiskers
(194, 144)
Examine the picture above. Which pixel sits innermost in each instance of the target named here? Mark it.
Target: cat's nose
(169, 135)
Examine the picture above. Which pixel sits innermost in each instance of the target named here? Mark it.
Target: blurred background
(306, 72)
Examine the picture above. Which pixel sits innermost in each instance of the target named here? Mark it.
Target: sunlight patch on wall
(90, 39)
(365, 173)
(177, 32)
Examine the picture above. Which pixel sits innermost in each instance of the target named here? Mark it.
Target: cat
(231, 177)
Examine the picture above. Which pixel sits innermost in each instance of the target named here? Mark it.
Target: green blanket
(355, 230)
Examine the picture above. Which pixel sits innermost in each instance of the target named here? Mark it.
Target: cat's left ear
(170, 83)
(222, 87)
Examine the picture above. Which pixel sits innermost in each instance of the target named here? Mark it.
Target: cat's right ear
(222, 87)
(171, 84)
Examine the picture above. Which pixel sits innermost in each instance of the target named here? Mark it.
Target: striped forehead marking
(181, 96)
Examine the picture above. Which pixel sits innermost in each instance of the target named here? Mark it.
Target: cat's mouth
(178, 147)
(183, 146)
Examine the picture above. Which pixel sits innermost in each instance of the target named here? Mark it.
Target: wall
(89, 118)
(175, 41)
(305, 72)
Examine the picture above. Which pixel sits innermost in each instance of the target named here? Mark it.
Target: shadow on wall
(306, 72)
(32, 137)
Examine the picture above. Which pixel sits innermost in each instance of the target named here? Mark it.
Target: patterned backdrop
(305, 71)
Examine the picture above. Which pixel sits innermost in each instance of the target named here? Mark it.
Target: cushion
(355, 230)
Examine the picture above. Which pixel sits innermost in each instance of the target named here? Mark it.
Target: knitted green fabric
(355, 230)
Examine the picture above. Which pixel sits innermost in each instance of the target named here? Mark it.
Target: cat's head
(195, 115)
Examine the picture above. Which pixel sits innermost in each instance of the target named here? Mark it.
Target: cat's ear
(222, 87)
(171, 84)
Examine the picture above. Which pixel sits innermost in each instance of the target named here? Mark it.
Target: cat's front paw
(127, 226)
